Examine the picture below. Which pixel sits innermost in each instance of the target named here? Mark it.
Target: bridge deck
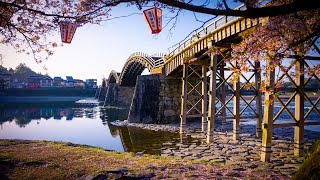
(214, 32)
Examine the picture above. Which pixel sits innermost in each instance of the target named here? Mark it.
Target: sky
(96, 50)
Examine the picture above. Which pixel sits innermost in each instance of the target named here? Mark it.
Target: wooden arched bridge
(134, 66)
(192, 81)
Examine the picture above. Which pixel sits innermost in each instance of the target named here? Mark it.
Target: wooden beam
(258, 99)
(299, 109)
(284, 125)
(268, 116)
(204, 98)
(312, 123)
(230, 117)
(236, 107)
(315, 58)
(194, 115)
(184, 99)
(212, 96)
(223, 96)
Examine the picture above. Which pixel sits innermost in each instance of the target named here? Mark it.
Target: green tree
(3, 70)
(22, 72)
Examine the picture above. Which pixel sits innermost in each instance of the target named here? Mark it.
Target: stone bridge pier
(117, 95)
(156, 100)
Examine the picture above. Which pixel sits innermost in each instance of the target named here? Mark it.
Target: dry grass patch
(52, 160)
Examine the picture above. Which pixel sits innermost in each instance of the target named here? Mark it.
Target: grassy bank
(50, 160)
(310, 168)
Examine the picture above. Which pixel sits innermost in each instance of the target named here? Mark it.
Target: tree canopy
(21, 73)
(27, 25)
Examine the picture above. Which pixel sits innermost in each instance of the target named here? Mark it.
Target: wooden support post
(236, 107)
(223, 97)
(204, 98)
(268, 116)
(212, 96)
(258, 99)
(184, 97)
(299, 109)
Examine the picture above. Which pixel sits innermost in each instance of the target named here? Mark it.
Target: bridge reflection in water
(135, 139)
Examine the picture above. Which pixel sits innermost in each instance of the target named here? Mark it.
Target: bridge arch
(104, 82)
(113, 77)
(135, 65)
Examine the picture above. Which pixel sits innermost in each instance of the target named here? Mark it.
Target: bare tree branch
(119, 17)
(269, 11)
(225, 4)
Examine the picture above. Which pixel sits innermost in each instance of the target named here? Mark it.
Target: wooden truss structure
(299, 98)
(204, 83)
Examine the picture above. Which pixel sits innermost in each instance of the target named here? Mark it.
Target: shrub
(310, 168)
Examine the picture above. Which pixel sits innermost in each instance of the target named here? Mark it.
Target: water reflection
(140, 140)
(24, 115)
(112, 114)
(81, 125)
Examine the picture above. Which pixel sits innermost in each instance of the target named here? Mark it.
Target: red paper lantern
(153, 16)
(67, 30)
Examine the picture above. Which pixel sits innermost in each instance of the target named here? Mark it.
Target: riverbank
(34, 99)
(76, 92)
(244, 153)
(51, 160)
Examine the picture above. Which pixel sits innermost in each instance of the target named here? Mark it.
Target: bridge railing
(155, 62)
(158, 59)
(158, 62)
(216, 24)
(158, 55)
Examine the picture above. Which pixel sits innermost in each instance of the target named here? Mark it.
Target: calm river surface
(69, 122)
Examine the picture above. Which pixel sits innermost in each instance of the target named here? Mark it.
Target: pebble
(167, 151)
(201, 148)
(191, 158)
(243, 153)
(218, 160)
(167, 144)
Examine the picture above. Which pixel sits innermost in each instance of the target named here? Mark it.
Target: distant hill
(21, 72)
(313, 83)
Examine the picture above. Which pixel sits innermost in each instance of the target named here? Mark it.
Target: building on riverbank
(91, 83)
(58, 81)
(46, 81)
(34, 81)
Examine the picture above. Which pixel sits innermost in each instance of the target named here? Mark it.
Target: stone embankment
(244, 153)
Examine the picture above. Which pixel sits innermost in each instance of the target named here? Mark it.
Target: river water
(90, 125)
